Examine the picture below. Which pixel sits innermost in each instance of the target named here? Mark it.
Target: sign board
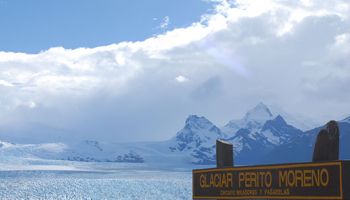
(321, 180)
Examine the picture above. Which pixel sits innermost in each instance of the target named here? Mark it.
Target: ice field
(78, 180)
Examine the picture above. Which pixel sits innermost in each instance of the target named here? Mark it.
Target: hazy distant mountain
(301, 122)
(301, 148)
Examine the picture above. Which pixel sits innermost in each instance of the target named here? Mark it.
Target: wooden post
(327, 143)
(224, 154)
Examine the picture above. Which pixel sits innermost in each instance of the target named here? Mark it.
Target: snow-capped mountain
(254, 119)
(257, 133)
(197, 139)
(300, 149)
(252, 143)
(258, 115)
(278, 132)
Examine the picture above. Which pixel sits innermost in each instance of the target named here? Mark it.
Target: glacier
(123, 184)
(36, 178)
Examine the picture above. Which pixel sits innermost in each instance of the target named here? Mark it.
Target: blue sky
(291, 55)
(36, 25)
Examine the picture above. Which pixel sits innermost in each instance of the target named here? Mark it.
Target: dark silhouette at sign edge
(327, 143)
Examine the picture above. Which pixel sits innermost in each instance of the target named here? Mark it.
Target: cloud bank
(291, 54)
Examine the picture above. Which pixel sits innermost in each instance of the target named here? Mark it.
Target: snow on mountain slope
(300, 149)
(260, 113)
(47, 150)
(346, 120)
(151, 154)
(90, 150)
(194, 143)
(252, 143)
(5, 144)
(258, 132)
(243, 141)
(254, 119)
(31, 156)
(197, 139)
(278, 132)
(198, 131)
(257, 116)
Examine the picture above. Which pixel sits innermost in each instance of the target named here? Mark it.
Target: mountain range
(260, 137)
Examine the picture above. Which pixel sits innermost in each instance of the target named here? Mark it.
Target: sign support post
(224, 154)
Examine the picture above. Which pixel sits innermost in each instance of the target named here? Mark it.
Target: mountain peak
(280, 120)
(278, 132)
(253, 119)
(261, 105)
(259, 113)
(276, 122)
(194, 120)
(198, 139)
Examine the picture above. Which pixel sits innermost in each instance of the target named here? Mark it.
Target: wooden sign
(321, 180)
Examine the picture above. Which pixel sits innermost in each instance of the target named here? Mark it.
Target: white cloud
(181, 79)
(31, 104)
(5, 83)
(165, 23)
(292, 54)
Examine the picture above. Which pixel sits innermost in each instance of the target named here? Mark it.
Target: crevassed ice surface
(123, 184)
